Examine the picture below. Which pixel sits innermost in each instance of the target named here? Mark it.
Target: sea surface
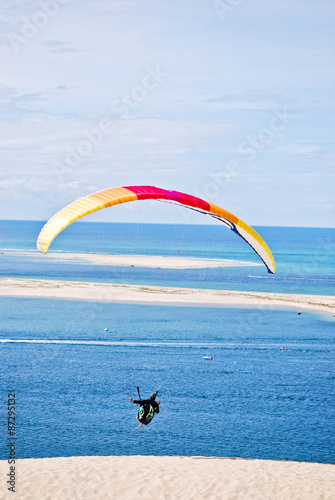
(268, 391)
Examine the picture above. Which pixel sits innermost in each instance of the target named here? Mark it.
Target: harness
(146, 412)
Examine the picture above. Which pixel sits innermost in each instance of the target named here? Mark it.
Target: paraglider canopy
(115, 196)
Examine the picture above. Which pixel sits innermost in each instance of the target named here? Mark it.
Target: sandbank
(25, 287)
(155, 261)
(168, 478)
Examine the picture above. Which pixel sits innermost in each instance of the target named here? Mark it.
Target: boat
(207, 357)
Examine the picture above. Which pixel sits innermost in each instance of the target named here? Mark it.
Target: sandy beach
(162, 295)
(168, 478)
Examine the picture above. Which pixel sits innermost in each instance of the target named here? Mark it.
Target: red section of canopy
(146, 192)
(151, 192)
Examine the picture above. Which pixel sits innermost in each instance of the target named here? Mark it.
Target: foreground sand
(169, 478)
(162, 295)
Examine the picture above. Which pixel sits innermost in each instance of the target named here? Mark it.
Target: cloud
(18, 106)
(27, 183)
(7, 20)
(21, 105)
(62, 87)
(258, 100)
(59, 47)
(113, 6)
(6, 92)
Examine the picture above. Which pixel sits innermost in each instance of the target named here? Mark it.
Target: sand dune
(168, 478)
(162, 295)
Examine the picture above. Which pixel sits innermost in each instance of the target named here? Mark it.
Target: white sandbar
(161, 295)
(154, 261)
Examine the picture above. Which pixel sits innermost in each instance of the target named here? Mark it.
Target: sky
(228, 100)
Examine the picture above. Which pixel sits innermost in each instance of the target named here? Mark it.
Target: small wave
(18, 250)
(75, 342)
(292, 278)
(103, 342)
(180, 345)
(263, 277)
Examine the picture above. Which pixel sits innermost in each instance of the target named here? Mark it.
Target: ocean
(268, 391)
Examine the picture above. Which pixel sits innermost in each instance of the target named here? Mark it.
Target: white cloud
(27, 183)
(59, 46)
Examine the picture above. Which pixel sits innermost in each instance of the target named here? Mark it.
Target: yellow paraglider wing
(115, 196)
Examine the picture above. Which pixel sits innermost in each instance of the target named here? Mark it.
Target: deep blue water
(253, 399)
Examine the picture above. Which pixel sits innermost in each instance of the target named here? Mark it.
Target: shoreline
(159, 295)
(169, 478)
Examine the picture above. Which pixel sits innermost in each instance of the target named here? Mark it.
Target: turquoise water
(267, 392)
(305, 257)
